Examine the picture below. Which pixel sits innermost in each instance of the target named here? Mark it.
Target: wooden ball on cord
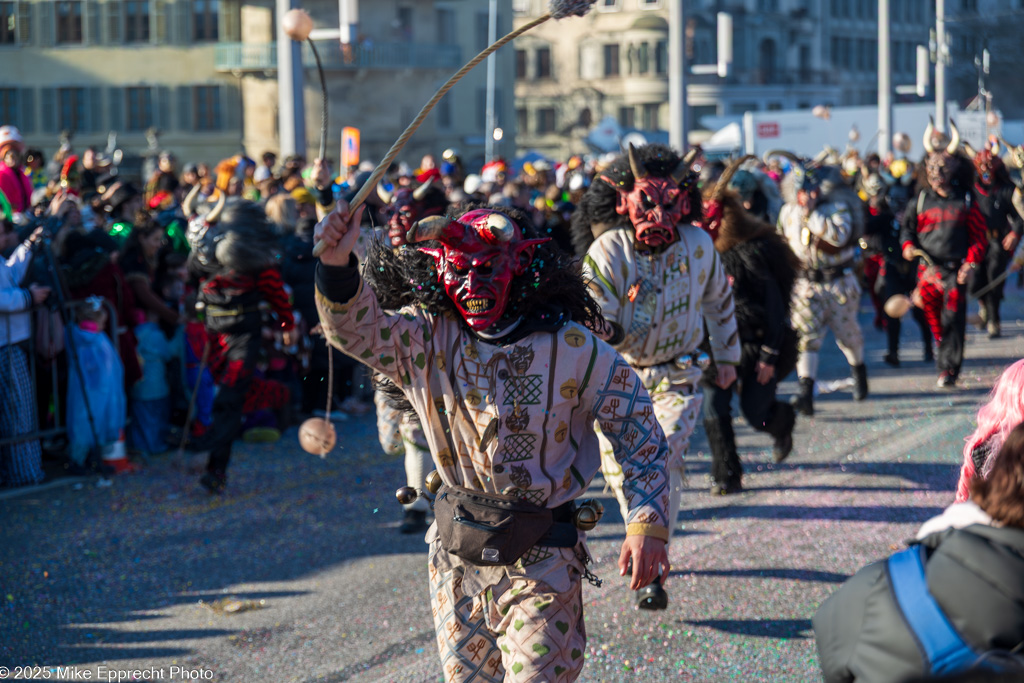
(317, 436)
(297, 24)
(897, 306)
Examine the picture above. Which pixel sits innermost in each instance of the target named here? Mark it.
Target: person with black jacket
(893, 276)
(974, 570)
(994, 190)
(946, 228)
(762, 269)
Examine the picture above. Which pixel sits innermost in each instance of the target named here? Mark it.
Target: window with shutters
(521, 64)
(627, 117)
(206, 109)
(136, 21)
(9, 105)
(140, 108)
(650, 114)
(71, 109)
(205, 16)
(545, 120)
(611, 59)
(522, 120)
(69, 22)
(543, 62)
(446, 26)
(8, 23)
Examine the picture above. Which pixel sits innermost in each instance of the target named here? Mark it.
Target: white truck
(806, 134)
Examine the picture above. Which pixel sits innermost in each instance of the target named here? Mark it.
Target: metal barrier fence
(59, 427)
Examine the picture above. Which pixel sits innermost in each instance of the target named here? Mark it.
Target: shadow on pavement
(769, 628)
(769, 573)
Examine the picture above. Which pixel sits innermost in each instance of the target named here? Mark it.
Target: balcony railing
(263, 56)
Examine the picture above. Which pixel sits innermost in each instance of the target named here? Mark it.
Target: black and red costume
(951, 231)
(234, 254)
(993, 191)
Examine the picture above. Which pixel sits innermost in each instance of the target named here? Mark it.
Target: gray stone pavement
(119, 578)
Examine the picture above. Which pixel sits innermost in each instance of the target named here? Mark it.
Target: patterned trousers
(822, 306)
(20, 463)
(519, 630)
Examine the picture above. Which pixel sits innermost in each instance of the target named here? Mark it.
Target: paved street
(121, 577)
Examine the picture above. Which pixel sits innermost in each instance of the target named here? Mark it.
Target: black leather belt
(562, 533)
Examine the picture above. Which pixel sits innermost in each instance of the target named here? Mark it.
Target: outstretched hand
(649, 559)
(339, 231)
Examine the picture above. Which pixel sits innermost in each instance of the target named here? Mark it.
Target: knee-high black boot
(780, 426)
(860, 378)
(804, 401)
(726, 470)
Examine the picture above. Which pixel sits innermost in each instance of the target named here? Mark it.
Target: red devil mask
(942, 162)
(655, 205)
(478, 257)
(987, 166)
(405, 206)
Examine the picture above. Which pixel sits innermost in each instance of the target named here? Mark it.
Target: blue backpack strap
(943, 648)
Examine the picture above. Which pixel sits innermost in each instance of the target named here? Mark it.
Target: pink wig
(996, 419)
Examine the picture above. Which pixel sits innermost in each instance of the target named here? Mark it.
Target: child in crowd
(151, 394)
(96, 410)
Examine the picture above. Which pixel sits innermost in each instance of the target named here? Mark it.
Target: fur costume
(235, 255)
(513, 414)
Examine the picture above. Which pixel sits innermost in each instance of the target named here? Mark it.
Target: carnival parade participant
(820, 221)
(507, 381)
(657, 277)
(994, 193)
(399, 431)
(234, 253)
(762, 269)
(945, 225)
(885, 270)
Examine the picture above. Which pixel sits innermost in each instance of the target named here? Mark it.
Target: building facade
(787, 54)
(203, 72)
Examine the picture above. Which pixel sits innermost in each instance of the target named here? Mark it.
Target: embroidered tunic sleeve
(720, 314)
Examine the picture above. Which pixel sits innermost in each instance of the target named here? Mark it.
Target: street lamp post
(291, 110)
(884, 80)
(941, 55)
(492, 36)
(677, 130)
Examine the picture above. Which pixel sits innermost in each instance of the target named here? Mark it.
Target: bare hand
(37, 235)
(649, 558)
(908, 253)
(39, 293)
(726, 376)
(287, 337)
(1011, 241)
(339, 230)
(963, 273)
(765, 372)
(321, 174)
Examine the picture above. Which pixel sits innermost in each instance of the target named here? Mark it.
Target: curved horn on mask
(188, 207)
(781, 153)
(928, 132)
(420, 192)
(634, 164)
(384, 194)
(429, 228)
(954, 138)
(501, 227)
(971, 152)
(218, 208)
(730, 171)
(683, 169)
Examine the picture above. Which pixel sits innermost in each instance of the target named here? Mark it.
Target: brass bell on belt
(587, 514)
(433, 482)
(406, 495)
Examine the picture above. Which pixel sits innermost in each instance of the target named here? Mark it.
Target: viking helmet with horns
(943, 161)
